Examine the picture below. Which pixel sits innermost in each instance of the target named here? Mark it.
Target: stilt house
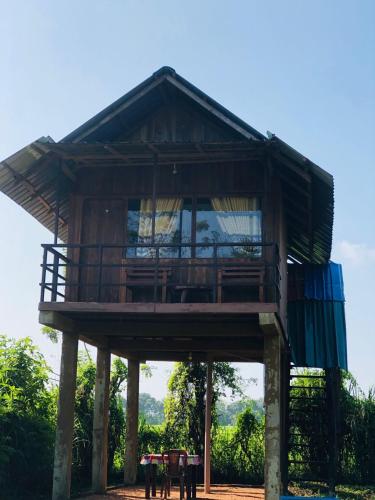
(174, 224)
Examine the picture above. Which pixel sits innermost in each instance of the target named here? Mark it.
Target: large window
(223, 220)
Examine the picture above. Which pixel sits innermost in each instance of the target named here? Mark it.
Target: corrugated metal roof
(31, 178)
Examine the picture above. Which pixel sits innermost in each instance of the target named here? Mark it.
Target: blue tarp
(316, 316)
(317, 334)
(324, 282)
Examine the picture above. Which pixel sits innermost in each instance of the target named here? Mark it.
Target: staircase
(311, 425)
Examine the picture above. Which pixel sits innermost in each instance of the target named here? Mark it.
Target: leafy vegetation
(27, 414)
(227, 412)
(151, 409)
(238, 451)
(185, 402)
(356, 462)
(343, 491)
(28, 402)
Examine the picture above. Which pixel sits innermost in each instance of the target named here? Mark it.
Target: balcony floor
(167, 332)
(180, 332)
(221, 492)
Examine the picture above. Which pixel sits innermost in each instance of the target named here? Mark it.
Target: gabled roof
(33, 176)
(145, 93)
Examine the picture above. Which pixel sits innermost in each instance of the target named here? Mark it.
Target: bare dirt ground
(222, 492)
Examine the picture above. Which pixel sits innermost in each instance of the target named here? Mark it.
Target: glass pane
(172, 227)
(185, 228)
(207, 228)
(139, 228)
(241, 227)
(229, 220)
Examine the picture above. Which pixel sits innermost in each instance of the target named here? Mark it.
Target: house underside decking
(221, 492)
(165, 332)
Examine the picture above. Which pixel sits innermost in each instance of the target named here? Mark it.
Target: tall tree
(185, 402)
(151, 409)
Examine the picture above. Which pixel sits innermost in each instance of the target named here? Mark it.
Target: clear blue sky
(303, 70)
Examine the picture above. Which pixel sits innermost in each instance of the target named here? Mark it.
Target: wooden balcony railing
(233, 272)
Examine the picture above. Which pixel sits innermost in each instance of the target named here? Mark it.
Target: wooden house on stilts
(174, 226)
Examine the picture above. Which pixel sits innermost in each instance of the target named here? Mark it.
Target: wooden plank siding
(178, 122)
(99, 203)
(136, 182)
(198, 179)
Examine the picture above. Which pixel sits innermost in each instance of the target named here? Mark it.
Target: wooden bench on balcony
(137, 277)
(240, 276)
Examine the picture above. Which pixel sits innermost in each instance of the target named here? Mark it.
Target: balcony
(160, 307)
(156, 274)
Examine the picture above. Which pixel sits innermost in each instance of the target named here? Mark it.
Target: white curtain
(145, 221)
(166, 218)
(238, 216)
(166, 221)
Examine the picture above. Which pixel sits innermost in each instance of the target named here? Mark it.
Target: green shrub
(27, 412)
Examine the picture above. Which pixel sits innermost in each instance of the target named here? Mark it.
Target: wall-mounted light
(174, 171)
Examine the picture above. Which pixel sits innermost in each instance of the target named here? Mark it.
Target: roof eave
(303, 161)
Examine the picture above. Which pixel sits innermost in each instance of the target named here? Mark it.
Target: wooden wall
(98, 205)
(208, 179)
(113, 184)
(177, 120)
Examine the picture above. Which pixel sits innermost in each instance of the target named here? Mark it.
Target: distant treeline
(152, 409)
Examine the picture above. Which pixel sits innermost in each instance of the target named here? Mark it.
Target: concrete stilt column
(272, 395)
(65, 418)
(207, 434)
(284, 410)
(132, 409)
(100, 427)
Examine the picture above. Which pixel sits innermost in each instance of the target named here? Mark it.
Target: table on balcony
(152, 461)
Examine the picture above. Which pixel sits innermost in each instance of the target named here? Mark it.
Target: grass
(343, 491)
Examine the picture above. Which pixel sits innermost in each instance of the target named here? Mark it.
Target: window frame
(194, 202)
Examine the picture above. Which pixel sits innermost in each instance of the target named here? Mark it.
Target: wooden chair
(230, 276)
(173, 469)
(137, 277)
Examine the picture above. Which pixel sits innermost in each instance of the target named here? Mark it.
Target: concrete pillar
(284, 409)
(207, 432)
(100, 427)
(272, 401)
(132, 408)
(65, 418)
